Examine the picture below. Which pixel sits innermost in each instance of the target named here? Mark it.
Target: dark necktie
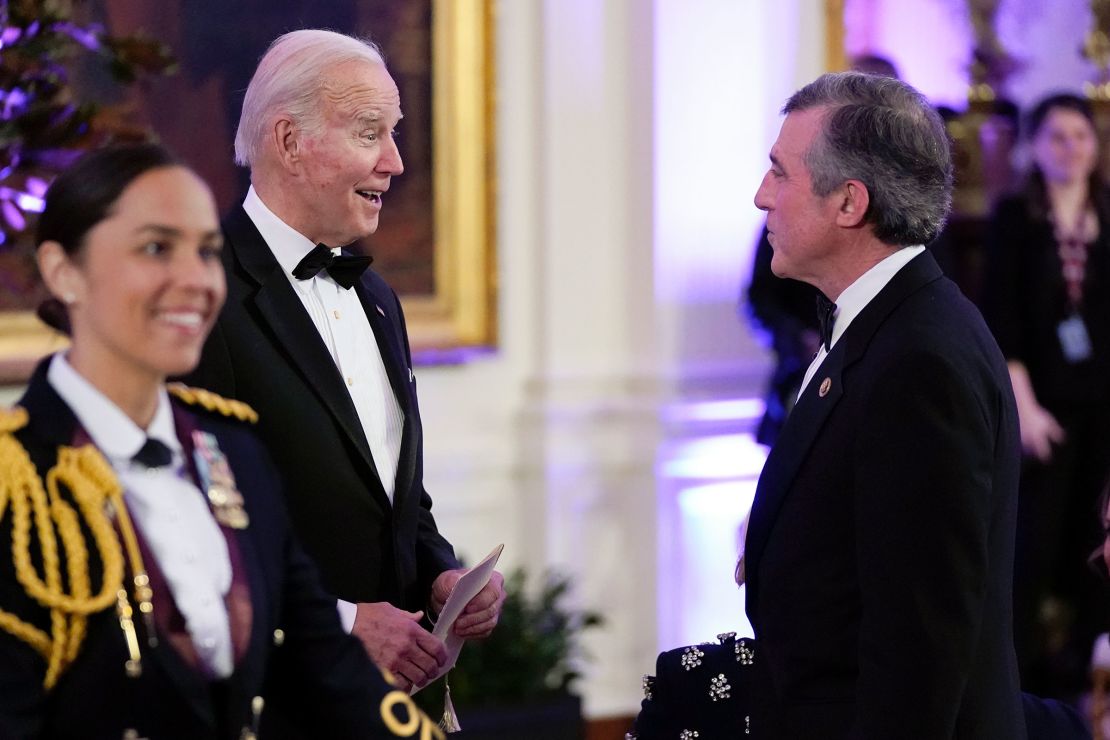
(344, 269)
(154, 454)
(825, 311)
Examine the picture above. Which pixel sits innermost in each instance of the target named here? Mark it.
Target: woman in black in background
(1047, 299)
(149, 582)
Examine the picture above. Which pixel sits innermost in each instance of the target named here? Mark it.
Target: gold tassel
(450, 721)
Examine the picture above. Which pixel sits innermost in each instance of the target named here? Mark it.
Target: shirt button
(350, 380)
(191, 558)
(208, 643)
(335, 313)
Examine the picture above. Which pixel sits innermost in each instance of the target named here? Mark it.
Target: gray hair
(288, 80)
(885, 134)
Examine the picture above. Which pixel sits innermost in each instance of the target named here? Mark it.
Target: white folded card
(467, 587)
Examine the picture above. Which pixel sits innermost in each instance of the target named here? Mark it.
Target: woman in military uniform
(149, 583)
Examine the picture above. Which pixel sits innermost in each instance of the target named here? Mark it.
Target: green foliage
(531, 655)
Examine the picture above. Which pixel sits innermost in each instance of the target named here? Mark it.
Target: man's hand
(480, 615)
(395, 641)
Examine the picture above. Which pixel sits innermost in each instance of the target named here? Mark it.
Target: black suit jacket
(318, 674)
(880, 547)
(266, 352)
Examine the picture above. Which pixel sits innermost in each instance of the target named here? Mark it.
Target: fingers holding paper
(395, 641)
(481, 613)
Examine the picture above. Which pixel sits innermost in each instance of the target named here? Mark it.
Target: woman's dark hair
(83, 196)
(1066, 101)
(1036, 193)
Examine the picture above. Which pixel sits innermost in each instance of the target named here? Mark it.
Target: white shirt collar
(857, 295)
(111, 430)
(288, 245)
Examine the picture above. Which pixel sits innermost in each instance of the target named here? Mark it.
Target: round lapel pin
(826, 386)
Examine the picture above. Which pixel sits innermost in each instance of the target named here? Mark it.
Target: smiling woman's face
(147, 285)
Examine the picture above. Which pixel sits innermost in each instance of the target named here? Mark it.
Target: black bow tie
(153, 454)
(344, 269)
(825, 311)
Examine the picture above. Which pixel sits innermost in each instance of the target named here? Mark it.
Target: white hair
(288, 80)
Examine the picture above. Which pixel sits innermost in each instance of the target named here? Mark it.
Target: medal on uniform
(218, 483)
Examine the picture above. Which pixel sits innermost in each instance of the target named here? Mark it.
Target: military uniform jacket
(297, 656)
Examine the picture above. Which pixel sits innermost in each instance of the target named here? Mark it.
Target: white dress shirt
(168, 508)
(341, 321)
(856, 297)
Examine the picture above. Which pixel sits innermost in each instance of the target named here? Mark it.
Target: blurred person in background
(1046, 296)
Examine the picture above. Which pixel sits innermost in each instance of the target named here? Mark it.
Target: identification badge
(1074, 340)
(218, 482)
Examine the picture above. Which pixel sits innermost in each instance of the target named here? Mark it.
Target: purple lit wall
(930, 42)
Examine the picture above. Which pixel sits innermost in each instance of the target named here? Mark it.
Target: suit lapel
(790, 450)
(392, 353)
(280, 309)
(808, 416)
(400, 379)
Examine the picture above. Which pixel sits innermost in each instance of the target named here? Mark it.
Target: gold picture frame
(24, 340)
(460, 313)
(836, 58)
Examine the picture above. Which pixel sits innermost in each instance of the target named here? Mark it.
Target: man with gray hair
(316, 343)
(879, 554)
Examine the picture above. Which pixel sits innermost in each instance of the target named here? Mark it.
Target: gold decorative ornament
(98, 496)
(214, 402)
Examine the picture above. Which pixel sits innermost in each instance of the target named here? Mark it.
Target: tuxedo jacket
(266, 351)
(311, 668)
(879, 553)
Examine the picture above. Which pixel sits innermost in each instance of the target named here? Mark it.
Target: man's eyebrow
(372, 116)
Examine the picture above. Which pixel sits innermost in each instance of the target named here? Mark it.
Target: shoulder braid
(98, 497)
(13, 419)
(214, 402)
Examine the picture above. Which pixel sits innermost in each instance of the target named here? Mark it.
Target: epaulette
(12, 419)
(213, 402)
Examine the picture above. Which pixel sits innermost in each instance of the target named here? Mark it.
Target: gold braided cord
(90, 480)
(213, 402)
(13, 419)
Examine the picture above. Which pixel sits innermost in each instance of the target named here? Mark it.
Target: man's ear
(288, 141)
(854, 201)
(60, 275)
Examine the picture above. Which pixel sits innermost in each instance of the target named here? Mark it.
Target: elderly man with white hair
(316, 343)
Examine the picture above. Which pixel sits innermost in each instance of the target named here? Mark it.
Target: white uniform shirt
(168, 508)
